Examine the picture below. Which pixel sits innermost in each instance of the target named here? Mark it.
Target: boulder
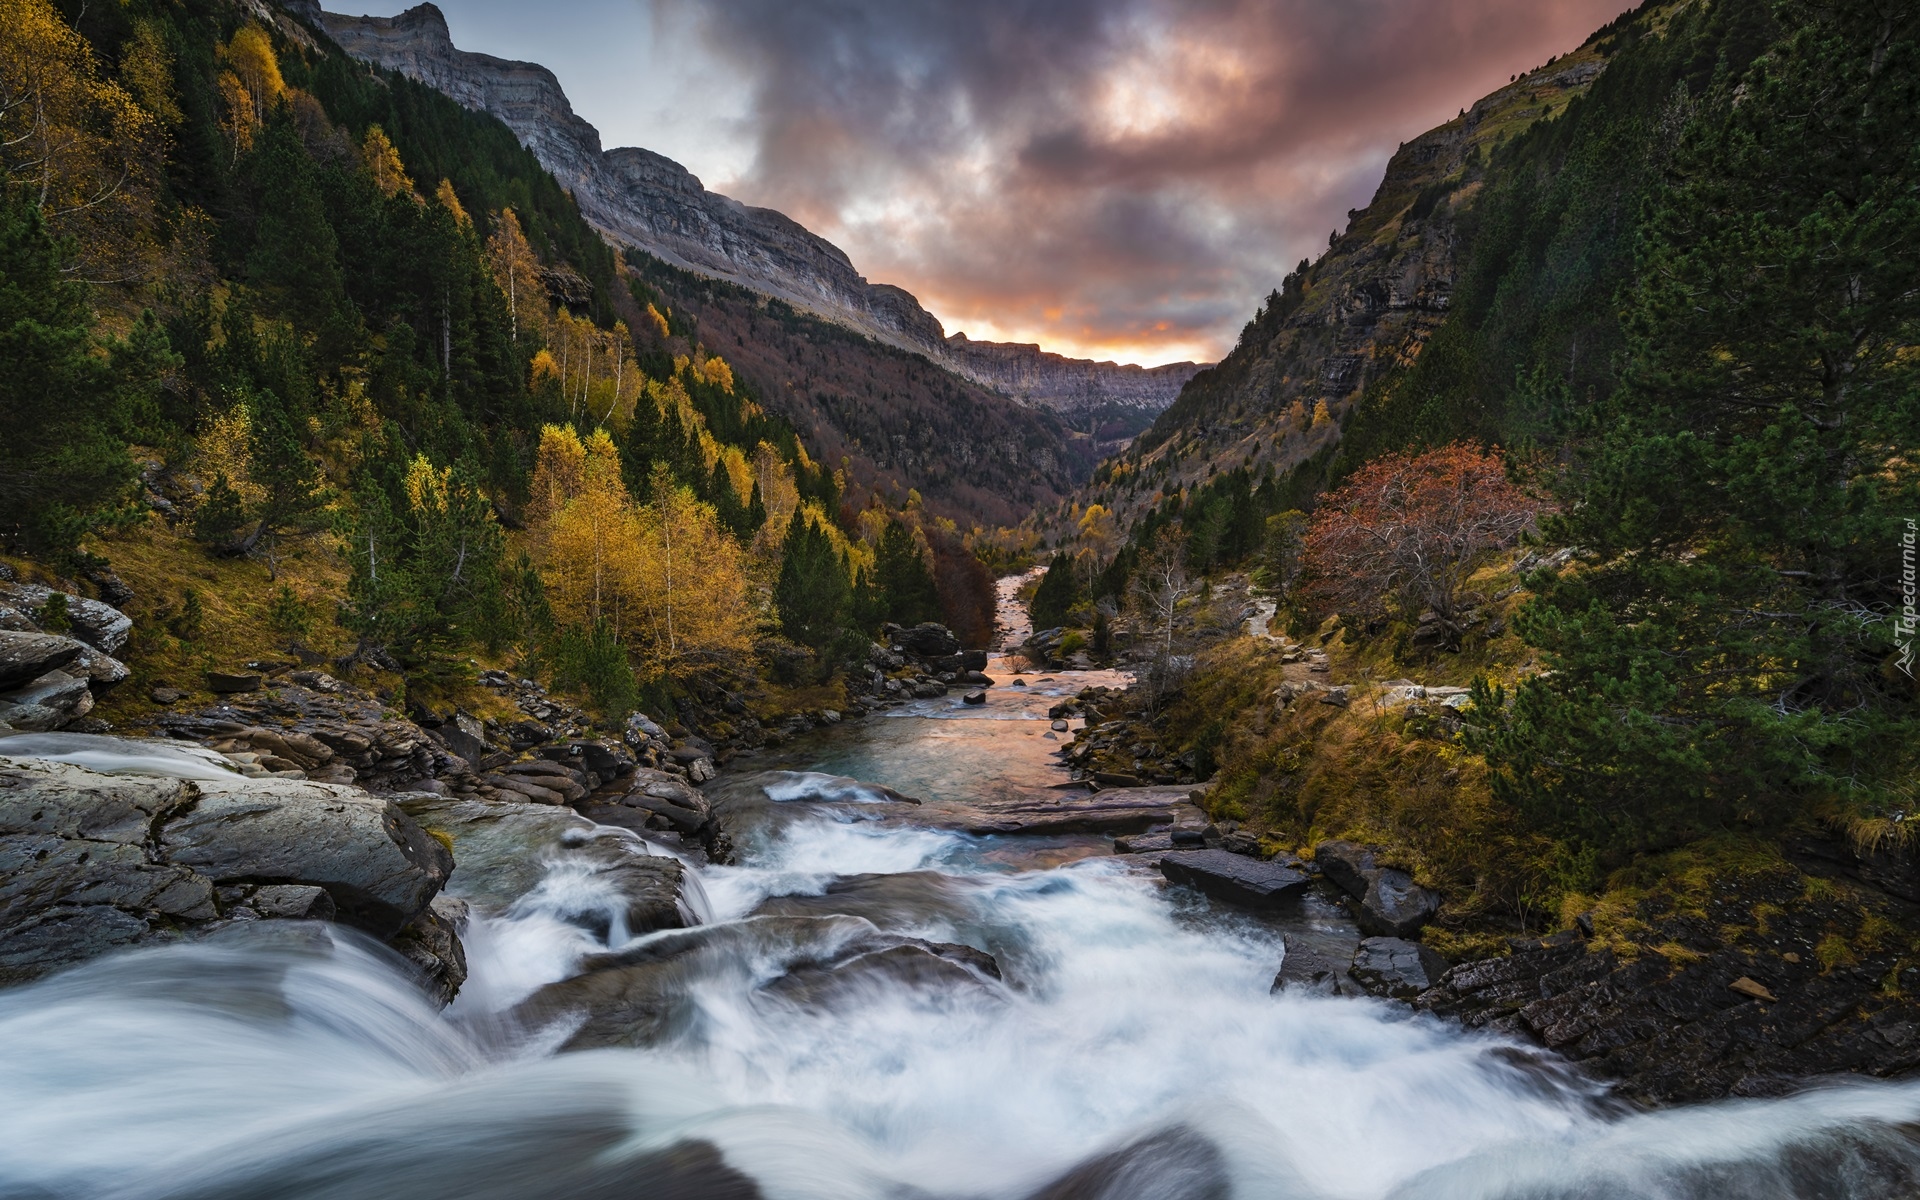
(928, 640)
(91, 862)
(1388, 902)
(226, 683)
(101, 626)
(56, 691)
(1395, 967)
(1175, 1164)
(974, 698)
(1232, 878)
(505, 851)
(27, 656)
(380, 867)
(1307, 971)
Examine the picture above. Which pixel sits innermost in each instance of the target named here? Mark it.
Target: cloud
(1118, 177)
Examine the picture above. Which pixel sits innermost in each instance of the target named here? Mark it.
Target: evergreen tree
(1058, 592)
(901, 578)
(295, 255)
(1726, 651)
(813, 593)
(61, 467)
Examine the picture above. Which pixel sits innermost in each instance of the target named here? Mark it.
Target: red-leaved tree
(1406, 531)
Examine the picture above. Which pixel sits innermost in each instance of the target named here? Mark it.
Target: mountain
(1340, 325)
(646, 201)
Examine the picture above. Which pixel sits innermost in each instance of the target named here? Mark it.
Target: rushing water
(1133, 1051)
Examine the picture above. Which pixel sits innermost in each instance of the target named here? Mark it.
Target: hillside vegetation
(1682, 297)
(324, 364)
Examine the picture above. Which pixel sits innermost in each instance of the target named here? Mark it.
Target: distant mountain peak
(648, 201)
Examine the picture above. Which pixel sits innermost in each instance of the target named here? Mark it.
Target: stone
(226, 684)
(928, 640)
(166, 695)
(1306, 971)
(1233, 878)
(27, 656)
(380, 867)
(504, 850)
(101, 626)
(31, 718)
(974, 698)
(1387, 901)
(1174, 1164)
(56, 690)
(1395, 967)
(1752, 989)
(293, 902)
(1143, 843)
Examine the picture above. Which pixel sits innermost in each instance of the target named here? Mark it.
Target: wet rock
(1143, 843)
(675, 802)
(380, 867)
(1129, 811)
(916, 900)
(1178, 1164)
(27, 656)
(90, 862)
(1387, 966)
(1388, 903)
(52, 701)
(974, 698)
(1307, 971)
(503, 851)
(431, 945)
(1233, 878)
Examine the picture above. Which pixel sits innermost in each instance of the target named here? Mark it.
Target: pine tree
(901, 577)
(1725, 652)
(813, 592)
(61, 467)
(1058, 592)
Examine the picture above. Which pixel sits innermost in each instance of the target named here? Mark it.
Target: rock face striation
(92, 862)
(647, 201)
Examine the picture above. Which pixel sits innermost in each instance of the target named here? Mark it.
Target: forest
(264, 305)
(1646, 485)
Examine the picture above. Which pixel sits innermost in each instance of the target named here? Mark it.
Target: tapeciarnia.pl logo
(1909, 620)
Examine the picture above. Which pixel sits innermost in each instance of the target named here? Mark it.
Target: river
(1131, 1051)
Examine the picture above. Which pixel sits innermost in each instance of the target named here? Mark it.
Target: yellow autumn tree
(692, 589)
(450, 200)
(665, 579)
(517, 273)
(251, 58)
(76, 143)
(383, 163)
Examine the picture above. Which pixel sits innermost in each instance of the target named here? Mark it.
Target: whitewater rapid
(1132, 1051)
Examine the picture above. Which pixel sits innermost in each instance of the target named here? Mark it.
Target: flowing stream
(1132, 1050)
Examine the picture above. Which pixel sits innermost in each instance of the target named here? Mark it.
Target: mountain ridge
(649, 202)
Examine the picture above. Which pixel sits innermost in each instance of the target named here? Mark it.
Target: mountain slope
(649, 202)
(1339, 325)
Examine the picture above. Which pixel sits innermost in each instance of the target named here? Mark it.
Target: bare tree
(1159, 586)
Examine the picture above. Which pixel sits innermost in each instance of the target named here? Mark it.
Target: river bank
(922, 969)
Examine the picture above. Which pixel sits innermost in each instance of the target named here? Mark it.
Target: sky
(1121, 179)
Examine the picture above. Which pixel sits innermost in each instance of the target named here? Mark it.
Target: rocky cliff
(648, 201)
(1366, 307)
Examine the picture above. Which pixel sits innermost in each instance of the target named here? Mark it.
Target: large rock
(1233, 878)
(928, 640)
(379, 866)
(27, 656)
(91, 862)
(99, 625)
(1395, 967)
(1388, 902)
(1175, 1164)
(644, 994)
(506, 851)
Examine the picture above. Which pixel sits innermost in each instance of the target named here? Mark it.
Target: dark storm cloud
(1125, 176)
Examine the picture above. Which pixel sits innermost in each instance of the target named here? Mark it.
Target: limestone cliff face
(648, 201)
(1030, 374)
